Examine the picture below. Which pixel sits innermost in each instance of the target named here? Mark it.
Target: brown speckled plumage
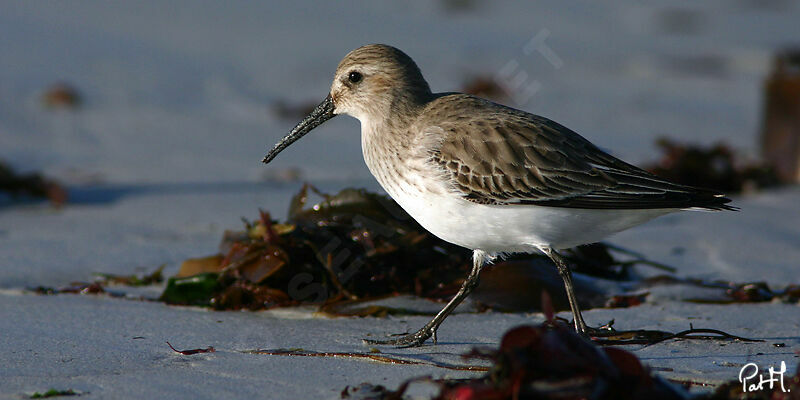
(499, 155)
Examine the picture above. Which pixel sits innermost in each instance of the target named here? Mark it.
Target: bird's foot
(601, 331)
(415, 339)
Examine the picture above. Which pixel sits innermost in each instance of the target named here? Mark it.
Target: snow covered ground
(164, 155)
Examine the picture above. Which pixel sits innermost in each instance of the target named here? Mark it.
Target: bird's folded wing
(505, 156)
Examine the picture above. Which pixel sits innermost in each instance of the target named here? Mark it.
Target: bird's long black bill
(322, 113)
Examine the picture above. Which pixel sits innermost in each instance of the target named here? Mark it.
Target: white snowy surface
(165, 155)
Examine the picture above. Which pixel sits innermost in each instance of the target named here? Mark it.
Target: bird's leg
(479, 258)
(566, 275)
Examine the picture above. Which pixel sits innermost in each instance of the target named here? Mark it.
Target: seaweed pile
(31, 185)
(551, 361)
(715, 167)
(352, 245)
(780, 128)
(62, 96)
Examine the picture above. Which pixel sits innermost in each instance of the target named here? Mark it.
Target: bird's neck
(387, 133)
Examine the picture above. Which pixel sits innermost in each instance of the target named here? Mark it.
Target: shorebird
(488, 177)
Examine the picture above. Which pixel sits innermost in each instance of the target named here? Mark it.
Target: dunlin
(485, 176)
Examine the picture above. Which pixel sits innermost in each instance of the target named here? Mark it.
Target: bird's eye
(354, 77)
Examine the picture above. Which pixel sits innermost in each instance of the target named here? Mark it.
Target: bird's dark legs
(479, 258)
(566, 275)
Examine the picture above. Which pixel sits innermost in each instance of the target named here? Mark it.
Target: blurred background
(198, 91)
(115, 100)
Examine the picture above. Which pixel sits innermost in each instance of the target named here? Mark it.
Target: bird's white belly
(511, 228)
